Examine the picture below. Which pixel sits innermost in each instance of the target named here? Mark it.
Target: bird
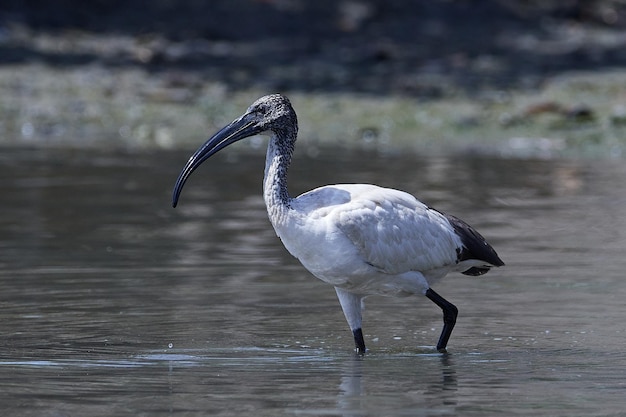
(360, 238)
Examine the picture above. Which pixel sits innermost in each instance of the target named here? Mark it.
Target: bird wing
(395, 233)
(475, 248)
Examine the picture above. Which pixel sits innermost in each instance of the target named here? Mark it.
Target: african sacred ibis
(360, 238)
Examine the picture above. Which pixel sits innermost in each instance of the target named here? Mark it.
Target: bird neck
(277, 199)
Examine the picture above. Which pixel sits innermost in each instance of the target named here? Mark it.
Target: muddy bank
(521, 78)
(95, 106)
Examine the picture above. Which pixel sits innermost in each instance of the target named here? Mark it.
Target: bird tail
(475, 249)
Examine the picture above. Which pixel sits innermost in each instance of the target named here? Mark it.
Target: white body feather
(369, 240)
(362, 238)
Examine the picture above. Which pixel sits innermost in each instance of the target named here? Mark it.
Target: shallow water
(114, 303)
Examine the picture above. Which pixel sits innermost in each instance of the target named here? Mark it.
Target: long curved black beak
(240, 128)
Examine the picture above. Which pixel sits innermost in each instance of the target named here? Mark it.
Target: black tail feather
(475, 247)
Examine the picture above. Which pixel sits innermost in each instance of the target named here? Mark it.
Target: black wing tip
(475, 246)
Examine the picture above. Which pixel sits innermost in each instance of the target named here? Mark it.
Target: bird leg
(450, 312)
(351, 305)
(359, 343)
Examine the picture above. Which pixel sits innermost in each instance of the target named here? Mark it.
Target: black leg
(358, 341)
(450, 312)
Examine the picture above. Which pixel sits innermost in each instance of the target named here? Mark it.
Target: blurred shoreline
(526, 79)
(574, 114)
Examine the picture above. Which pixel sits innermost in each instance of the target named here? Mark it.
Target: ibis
(360, 238)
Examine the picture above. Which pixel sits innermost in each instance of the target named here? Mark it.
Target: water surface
(114, 303)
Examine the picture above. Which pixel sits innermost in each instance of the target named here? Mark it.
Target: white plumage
(360, 238)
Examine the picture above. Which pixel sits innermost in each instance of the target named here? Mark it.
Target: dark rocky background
(415, 48)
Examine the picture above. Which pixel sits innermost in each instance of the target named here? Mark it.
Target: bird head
(271, 113)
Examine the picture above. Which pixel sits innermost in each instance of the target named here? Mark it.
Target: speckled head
(271, 113)
(274, 113)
